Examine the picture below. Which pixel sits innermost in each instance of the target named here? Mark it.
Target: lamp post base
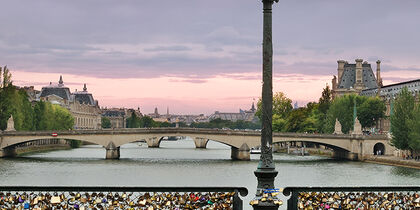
(266, 206)
(266, 196)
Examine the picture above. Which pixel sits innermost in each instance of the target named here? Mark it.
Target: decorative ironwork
(266, 172)
(353, 198)
(121, 198)
(267, 156)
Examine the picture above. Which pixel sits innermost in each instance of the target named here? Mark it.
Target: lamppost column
(266, 195)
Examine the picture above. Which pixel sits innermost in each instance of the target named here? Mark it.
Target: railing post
(292, 203)
(237, 201)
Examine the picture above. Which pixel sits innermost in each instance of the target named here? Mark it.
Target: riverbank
(392, 160)
(44, 148)
(377, 159)
(310, 151)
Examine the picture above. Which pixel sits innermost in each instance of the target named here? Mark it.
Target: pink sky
(226, 93)
(222, 93)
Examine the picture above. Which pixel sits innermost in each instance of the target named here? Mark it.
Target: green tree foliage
(62, 120)
(147, 122)
(42, 116)
(369, 110)
(403, 111)
(282, 105)
(325, 100)
(15, 103)
(301, 120)
(318, 116)
(414, 127)
(105, 122)
(136, 122)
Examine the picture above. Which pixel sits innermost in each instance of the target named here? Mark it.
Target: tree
(146, 122)
(341, 109)
(5, 90)
(6, 79)
(282, 105)
(325, 100)
(63, 120)
(105, 122)
(294, 122)
(414, 127)
(370, 111)
(403, 111)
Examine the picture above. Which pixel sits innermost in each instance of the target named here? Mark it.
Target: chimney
(334, 83)
(359, 74)
(378, 73)
(340, 68)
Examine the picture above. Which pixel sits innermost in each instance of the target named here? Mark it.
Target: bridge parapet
(402, 197)
(30, 197)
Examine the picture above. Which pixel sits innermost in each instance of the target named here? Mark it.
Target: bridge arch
(379, 149)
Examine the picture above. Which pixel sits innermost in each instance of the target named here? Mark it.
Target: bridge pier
(242, 153)
(200, 142)
(112, 152)
(153, 142)
(339, 154)
(8, 152)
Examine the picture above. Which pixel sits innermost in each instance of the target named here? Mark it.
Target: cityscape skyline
(205, 59)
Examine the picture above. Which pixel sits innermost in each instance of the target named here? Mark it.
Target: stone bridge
(344, 145)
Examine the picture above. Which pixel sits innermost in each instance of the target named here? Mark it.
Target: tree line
(405, 122)
(135, 121)
(29, 116)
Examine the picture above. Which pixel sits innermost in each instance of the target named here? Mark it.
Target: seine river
(178, 163)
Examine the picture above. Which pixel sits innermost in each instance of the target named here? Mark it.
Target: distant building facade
(84, 109)
(245, 115)
(388, 93)
(359, 79)
(117, 117)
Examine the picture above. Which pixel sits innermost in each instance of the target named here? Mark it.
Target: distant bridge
(344, 145)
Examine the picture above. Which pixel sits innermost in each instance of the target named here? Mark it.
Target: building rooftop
(348, 79)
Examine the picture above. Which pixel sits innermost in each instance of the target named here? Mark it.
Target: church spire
(60, 82)
(253, 107)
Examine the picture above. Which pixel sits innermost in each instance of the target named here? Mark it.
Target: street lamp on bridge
(266, 195)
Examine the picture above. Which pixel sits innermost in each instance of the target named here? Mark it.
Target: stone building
(30, 90)
(354, 78)
(84, 109)
(117, 117)
(359, 79)
(245, 115)
(388, 93)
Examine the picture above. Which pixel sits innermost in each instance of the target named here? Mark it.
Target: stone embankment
(41, 146)
(392, 160)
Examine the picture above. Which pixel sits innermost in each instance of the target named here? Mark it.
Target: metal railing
(60, 197)
(406, 197)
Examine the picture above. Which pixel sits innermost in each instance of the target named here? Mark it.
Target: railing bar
(243, 191)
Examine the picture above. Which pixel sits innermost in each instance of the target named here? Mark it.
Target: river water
(178, 163)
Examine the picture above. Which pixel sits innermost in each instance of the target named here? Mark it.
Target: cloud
(175, 48)
(128, 40)
(196, 81)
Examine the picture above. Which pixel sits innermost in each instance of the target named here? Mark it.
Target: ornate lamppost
(266, 195)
